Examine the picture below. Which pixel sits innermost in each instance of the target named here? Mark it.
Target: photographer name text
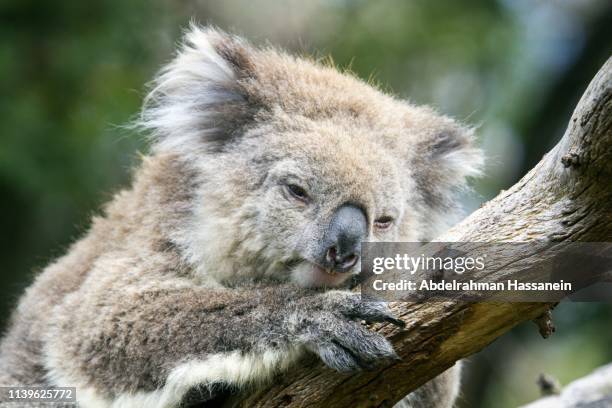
(470, 285)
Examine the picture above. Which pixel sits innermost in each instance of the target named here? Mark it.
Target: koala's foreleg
(150, 347)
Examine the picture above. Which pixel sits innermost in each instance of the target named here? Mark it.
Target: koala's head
(298, 163)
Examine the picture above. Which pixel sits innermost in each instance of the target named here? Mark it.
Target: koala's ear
(198, 101)
(444, 157)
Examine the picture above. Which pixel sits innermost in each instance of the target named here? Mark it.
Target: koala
(229, 257)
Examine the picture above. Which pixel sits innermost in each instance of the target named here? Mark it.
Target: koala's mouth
(309, 274)
(329, 272)
(321, 269)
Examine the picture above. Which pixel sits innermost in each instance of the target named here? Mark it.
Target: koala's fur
(200, 273)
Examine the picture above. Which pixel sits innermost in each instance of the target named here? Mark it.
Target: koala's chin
(310, 275)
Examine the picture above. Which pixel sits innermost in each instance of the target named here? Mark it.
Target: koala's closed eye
(297, 192)
(383, 223)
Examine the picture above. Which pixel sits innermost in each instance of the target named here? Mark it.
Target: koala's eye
(297, 192)
(383, 223)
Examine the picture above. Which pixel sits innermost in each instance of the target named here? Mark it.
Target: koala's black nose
(342, 240)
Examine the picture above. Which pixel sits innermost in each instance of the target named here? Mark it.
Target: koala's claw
(398, 322)
(373, 312)
(354, 351)
(332, 330)
(337, 357)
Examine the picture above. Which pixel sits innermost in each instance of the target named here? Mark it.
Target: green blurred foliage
(72, 74)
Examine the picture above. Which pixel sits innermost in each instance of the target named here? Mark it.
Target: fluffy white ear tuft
(443, 160)
(198, 101)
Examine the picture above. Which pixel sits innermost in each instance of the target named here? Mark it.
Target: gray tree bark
(567, 197)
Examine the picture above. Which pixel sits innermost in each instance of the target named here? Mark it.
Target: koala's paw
(329, 325)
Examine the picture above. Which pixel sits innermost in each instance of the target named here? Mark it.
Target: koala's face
(322, 192)
(299, 163)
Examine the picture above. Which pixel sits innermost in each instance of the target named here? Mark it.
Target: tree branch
(593, 390)
(567, 197)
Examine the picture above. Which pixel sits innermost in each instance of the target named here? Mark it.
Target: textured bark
(593, 390)
(567, 197)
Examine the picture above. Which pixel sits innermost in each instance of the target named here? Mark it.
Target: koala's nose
(342, 241)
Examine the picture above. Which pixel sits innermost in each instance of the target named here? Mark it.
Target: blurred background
(72, 73)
